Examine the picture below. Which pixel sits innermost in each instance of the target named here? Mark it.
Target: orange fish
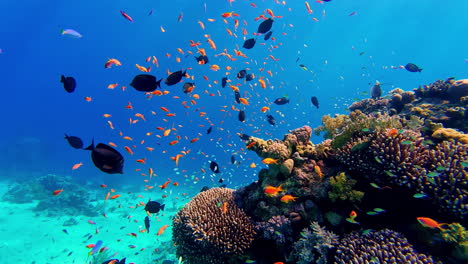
(251, 144)
(173, 142)
(129, 150)
(429, 222)
(229, 14)
(161, 230)
(392, 132)
(57, 192)
(318, 171)
(115, 196)
(287, 198)
(165, 184)
(76, 166)
(88, 99)
(264, 109)
(252, 165)
(224, 207)
(351, 217)
(194, 140)
(143, 161)
(244, 101)
(272, 190)
(270, 161)
(262, 83)
(112, 86)
(111, 62)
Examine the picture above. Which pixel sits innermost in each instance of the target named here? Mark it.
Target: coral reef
(342, 189)
(211, 228)
(384, 246)
(77, 202)
(314, 246)
(406, 151)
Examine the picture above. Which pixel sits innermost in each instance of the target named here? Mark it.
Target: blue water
(37, 111)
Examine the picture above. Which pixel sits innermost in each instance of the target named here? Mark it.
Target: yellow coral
(449, 133)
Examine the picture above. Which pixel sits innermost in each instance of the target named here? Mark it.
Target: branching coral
(384, 246)
(277, 228)
(314, 246)
(204, 232)
(342, 129)
(342, 189)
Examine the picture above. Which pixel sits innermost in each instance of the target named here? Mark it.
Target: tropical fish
(145, 83)
(224, 81)
(352, 217)
(270, 161)
(249, 43)
(281, 101)
(271, 120)
(267, 35)
(272, 190)
(153, 207)
(69, 83)
(241, 116)
(106, 158)
(314, 101)
(111, 62)
(72, 33)
(161, 230)
(175, 77)
(202, 59)
(129, 18)
(214, 167)
(430, 223)
(265, 26)
(411, 67)
(75, 142)
(188, 87)
(376, 91)
(288, 198)
(147, 224)
(241, 74)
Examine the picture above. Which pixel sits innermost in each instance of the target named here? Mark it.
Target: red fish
(57, 192)
(129, 18)
(429, 222)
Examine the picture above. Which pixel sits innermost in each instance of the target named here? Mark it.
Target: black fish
(243, 136)
(412, 67)
(221, 180)
(265, 26)
(174, 78)
(106, 158)
(271, 120)
(224, 81)
(147, 224)
(188, 87)
(233, 159)
(205, 188)
(314, 101)
(241, 115)
(208, 131)
(69, 83)
(281, 101)
(241, 74)
(248, 44)
(122, 261)
(145, 83)
(268, 35)
(237, 96)
(202, 59)
(74, 141)
(153, 207)
(376, 91)
(214, 167)
(249, 77)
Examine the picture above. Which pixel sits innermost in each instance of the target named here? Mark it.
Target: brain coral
(212, 229)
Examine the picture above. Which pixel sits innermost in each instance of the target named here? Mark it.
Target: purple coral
(277, 228)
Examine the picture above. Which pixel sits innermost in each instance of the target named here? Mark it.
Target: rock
(287, 166)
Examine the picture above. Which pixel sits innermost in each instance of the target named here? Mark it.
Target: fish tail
(90, 147)
(162, 207)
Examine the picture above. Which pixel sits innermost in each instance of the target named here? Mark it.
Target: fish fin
(90, 147)
(66, 136)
